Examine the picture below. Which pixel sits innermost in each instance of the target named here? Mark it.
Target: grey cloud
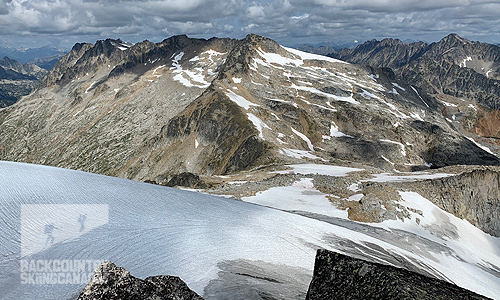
(287, 21)
(3, 7)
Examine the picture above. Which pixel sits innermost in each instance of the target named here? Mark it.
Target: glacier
(152, 230)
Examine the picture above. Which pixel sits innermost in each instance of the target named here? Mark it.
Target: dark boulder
(112, 282)
(186, 179)
(338, 276)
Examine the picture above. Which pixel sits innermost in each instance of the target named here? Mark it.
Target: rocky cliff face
(151, 111)
(472, 195)
(112, 282)
(337, 276)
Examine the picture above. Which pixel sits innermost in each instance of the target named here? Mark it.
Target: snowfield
(152, 230)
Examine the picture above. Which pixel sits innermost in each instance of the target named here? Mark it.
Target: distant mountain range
(20, 70)
(25, 55)
(453, 66)
(17, 80)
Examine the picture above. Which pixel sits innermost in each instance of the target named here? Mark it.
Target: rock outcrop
(337, 276)
(112, 282)
(473, 195)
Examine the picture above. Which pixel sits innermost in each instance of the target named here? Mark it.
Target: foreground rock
(112, 282)
(337, 276)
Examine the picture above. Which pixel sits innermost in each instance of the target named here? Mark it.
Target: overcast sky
(35, 23)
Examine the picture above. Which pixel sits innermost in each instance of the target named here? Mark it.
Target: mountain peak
(454, 38)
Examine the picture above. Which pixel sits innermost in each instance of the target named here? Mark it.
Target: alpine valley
(394, 161)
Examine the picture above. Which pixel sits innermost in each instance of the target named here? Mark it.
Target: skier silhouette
(49, 231)
(81, 220)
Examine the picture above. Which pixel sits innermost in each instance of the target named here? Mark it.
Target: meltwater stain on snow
(258, 280)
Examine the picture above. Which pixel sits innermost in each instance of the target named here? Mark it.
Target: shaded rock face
(112, 282)
(216, 120)
(473, 196)
(337, 276)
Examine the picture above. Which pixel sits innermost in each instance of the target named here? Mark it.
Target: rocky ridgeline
(150, 111)
(337, 276)
(453, 69)
(453, 66)
(112, 282)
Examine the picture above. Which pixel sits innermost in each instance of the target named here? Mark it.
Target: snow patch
(403, 149)
(334, 131)
(301, 196)
(258, 123)
(300, 154)
(398, 86)
(90, 86)
(329, 170)
(309, 56)
(402, 177)
(239, 99)
(304, 137)
(481, 146)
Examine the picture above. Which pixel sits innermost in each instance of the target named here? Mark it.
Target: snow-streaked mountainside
(150, 111)
(215, 244)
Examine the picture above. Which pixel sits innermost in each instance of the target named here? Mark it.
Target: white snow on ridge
(310, 56)
(278, 59)
(239, 99)
(300, 154)
(305, 138)
(463, 64)
(189, 78)
(258, 123)
(416, 92)
(481, 146)
(349, 99)
(90, 86)
(398, 86)
(329, 170)
(334, 131)
(403, 149)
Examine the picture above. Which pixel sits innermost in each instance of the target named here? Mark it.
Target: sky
(36, 23)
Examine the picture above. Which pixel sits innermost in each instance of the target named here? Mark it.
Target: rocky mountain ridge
(455, 70)
(151, 111)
